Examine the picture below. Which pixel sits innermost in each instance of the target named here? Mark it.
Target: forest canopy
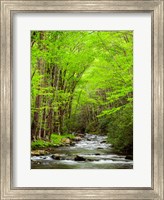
(82, 82)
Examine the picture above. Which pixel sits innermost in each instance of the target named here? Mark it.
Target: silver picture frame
(8, 9)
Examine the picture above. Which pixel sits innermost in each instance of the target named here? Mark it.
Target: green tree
(83, 81)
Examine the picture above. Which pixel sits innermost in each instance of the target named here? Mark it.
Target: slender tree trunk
(36, 119)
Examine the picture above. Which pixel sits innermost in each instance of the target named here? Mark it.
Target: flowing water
(92, 152)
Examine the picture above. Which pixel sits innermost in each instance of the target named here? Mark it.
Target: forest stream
(92, 152)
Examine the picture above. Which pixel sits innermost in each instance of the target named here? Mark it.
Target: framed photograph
(82, 100)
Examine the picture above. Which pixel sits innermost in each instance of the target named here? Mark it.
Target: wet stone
(100, 148)
(56, 156)
(102, 142)
(79, 158)
(90, 152)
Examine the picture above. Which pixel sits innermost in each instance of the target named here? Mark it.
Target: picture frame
(8, 8)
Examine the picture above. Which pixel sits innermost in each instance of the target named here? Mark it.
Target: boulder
(56, 156)
(100, 148)
(103, 142)
(73, 143)
(77, 138)
(93, 159)
(79, 158)
(80, 135)
(66, 140)
(38, 152)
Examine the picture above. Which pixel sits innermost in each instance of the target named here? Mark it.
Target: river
(92, 152)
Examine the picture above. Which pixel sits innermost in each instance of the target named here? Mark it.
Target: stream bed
(92, 152)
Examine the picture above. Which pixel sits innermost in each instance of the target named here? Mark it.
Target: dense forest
(82, 82)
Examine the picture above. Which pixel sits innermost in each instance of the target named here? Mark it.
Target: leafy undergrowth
(56, 140)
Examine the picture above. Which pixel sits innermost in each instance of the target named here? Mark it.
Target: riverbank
(43, 147)
(90, 152)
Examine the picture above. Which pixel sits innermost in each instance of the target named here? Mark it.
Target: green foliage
(56, 140)
(120, 130)
(41, 144)
(110, 111)
(82, 81)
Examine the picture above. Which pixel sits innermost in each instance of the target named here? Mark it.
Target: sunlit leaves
(80, 74)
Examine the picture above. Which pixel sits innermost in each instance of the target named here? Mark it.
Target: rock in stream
(88, 152)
